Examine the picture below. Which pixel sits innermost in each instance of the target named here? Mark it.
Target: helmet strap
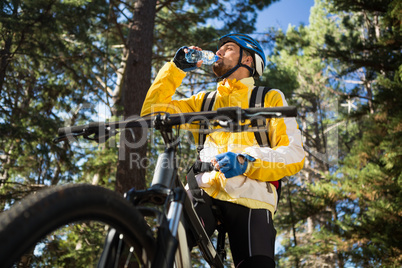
(239, 64)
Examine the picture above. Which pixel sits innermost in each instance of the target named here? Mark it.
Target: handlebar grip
(68, 130)
(89, 128)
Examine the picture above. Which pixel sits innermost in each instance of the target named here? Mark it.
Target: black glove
(181, 62)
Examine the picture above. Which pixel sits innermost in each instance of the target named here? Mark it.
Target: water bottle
(208, 57)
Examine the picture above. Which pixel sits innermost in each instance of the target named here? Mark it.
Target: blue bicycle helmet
(247, 43)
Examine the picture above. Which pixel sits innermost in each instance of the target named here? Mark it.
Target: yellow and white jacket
(284, 158)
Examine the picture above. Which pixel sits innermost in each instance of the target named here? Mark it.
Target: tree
(47, 63)
(137, 79)
(370, 173)
(334, 209)
(51, 57)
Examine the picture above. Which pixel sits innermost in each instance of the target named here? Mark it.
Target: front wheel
(65, 226)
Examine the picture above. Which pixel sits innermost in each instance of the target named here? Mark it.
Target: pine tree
(342, 207)
(47, 62)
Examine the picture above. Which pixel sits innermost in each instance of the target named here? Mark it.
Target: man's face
(229, 55)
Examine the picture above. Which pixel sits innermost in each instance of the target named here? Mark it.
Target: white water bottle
(208, 57)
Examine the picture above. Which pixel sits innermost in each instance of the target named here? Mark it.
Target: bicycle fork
(168, 233)
(168, 227)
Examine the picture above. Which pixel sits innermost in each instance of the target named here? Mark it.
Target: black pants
(251, 231)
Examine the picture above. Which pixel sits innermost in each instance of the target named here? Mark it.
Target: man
(244, 188)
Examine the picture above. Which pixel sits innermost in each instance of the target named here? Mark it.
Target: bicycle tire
(26, 223)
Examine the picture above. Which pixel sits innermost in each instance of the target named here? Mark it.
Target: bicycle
(130, 238)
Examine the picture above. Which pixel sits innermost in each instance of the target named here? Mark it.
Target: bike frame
(166, 188)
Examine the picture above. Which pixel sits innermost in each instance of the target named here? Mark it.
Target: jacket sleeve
(159, 96)
(286, 155)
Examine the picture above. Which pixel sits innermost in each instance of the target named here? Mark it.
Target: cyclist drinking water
(242, 193)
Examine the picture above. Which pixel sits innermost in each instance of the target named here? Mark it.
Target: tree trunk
(137, 79)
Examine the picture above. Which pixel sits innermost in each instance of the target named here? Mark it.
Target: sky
(281, 14)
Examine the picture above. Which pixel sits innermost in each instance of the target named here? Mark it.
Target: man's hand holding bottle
(191, 58)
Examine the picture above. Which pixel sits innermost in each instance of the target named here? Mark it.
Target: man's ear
(248, 60)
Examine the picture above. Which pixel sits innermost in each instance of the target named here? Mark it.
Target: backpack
(256, 100)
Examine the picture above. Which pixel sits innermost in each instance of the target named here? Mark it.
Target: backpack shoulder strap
(207, 105)
(257, 100)
(208, 101)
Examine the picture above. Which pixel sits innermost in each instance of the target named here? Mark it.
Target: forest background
(71, 62)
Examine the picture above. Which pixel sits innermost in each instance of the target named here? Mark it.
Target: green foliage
(84, 240)
(46, 67)
(343, 209)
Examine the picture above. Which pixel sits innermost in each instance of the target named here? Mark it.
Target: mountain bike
(143, 228)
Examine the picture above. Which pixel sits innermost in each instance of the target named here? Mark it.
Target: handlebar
(160, 120)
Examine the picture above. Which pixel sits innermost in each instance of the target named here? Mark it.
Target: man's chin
(219, 69)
